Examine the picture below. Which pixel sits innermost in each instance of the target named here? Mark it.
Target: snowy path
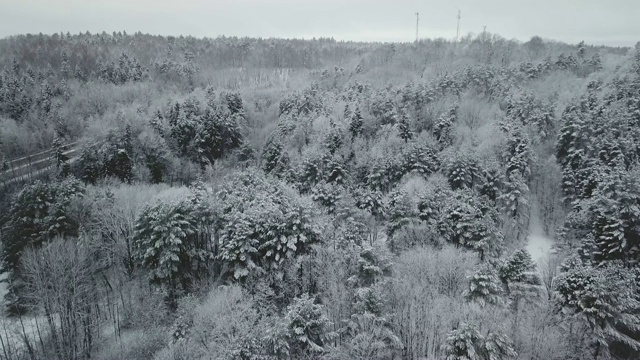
(538, 244)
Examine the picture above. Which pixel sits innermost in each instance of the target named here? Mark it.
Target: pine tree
(274, 158)
(596, 62)
(167, 242)
(498, 347)
(89, 165)
(404, 128)
(116, 160)
(355, 126)
(334, 140)
(519, 268)
(65, 67)
(605, 299)
(421, 159)
(61, 159)
(484, 287)
(463, 172)
(521, 280)
(615, 211)
(261, 225)
(468, 222)
(463, 343)
(467, 343)
(307, 327)
(79, 74)
(39, 213)
(400, 213)
(347, 112)
(582, 50)
(443, 129)
(128, 140)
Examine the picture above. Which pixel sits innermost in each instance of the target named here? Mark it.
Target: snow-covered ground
(538, 244)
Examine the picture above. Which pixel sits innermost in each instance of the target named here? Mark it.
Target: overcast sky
(611, 22)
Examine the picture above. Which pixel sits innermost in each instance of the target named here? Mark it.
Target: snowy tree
(615, 210)
(117, 163)
(40, 212)
(167, 242)
(605, 299)
(519, 268)
(468, 222)
(274, 157)
(467, 343)
(356, 123)
(305, 328)
(422, 159)
(582, 50)
(400, 212)
(443, 129)
(61, 159)
(522, 282)
(517, 154)
(261, 225)
(463, 172)
(65, 67)
(463, 343)
(498, 347)
(484, 287)
(404, 128)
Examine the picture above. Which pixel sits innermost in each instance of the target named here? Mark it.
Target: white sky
(610, 22)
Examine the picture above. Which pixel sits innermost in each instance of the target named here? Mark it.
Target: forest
(175, 198)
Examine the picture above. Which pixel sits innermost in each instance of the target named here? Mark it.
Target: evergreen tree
(274, 158)
(61, 159)
(305, 329)
(519, 268)
(89, 166)
(421, 159)
(346, 113)
(443, 129)
(596, 62)
(65, 67)
(355, 126)
(463, 172)
(467, 343)
(463, 343)
(466, 221)
(404, 128)
(167, 242)
(118, 163)
(615, 210)
(39, 213)
(334, 140)
(521, 280)
(606, 300)
(484, 287)
(261, 225)
(582, 50)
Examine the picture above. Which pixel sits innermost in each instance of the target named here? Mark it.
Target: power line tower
(458, 28)
(417, 22)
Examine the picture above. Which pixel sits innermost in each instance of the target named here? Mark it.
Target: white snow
(538, 244)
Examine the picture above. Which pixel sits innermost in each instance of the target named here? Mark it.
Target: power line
(458, 28)
(417, 23)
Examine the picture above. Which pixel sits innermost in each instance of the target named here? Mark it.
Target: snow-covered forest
(243, 198)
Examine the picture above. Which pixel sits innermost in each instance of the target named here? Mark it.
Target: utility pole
(417, 22)
(458, 28)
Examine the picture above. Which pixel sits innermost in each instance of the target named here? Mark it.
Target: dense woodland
(239, 198)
